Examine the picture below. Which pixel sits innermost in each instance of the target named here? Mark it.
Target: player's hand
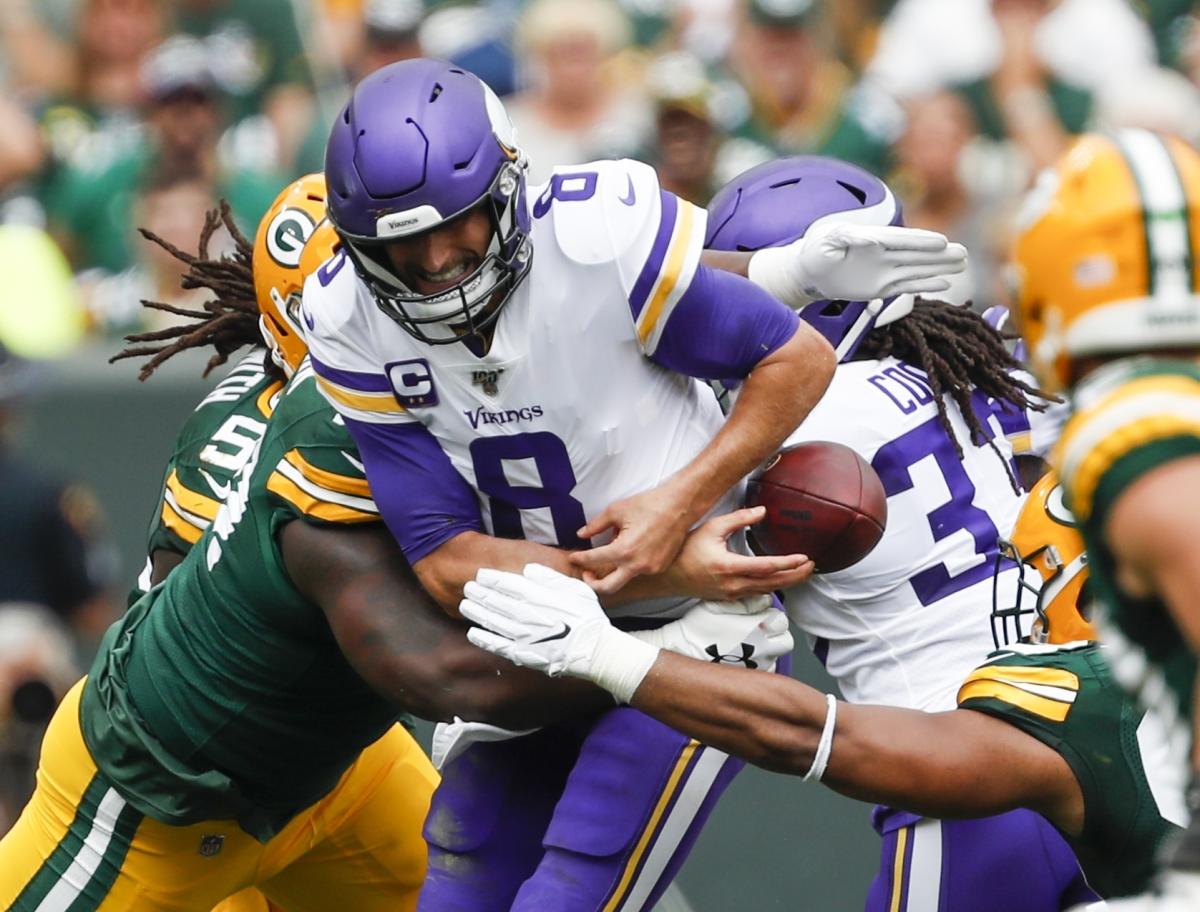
(545, 620)
(847, 262)
(542, 620)
(649, 531)
(707, 569)
(753, 636)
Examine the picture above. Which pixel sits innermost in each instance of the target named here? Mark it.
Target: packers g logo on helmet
(287, 234)
(293, 239)
(1107, 252)
(1052, 569)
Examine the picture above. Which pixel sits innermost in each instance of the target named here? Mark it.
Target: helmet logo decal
(1056, 509)
(287, 234)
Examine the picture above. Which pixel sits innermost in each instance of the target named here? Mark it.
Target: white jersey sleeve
(621, 216)
(338, 315)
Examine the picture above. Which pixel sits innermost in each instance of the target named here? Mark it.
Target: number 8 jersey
(584, 396)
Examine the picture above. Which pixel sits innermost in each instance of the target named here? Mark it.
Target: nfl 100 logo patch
(488, 380)
(412, 383)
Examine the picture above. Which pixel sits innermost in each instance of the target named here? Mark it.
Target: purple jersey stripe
(355, 380)
(658, 253)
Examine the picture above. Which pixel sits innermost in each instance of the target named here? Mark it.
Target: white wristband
(825, 745)
(771, 270)
(620, 662)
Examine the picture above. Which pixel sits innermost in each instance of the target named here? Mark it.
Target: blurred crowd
(120, 115)
(125, 114)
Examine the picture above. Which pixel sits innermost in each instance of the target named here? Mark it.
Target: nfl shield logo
(211, 845)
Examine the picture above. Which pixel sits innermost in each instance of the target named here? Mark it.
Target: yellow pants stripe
(898, 869)
(673, 784)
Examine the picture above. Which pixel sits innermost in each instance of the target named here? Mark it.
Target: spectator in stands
(797, 87)
(690, 149)
(87, 95)
(53, 550)
(259, 61)
(952, 181)
(169, 205)
(575, 109)
(183, 120)
(388, 31)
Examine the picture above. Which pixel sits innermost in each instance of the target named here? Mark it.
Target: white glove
(842, 261)
(711, 633)
(553, 623)
(452, 738)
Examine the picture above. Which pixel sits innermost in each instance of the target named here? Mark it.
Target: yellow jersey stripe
(1140, 412)
(365, 402)
(1015, 674)
(180, 526)
(668, 278)
(263, 403)
(311, 506)
(898, 868)
(343, 484)
(673, 783)
(190, 500)
(1045, 707)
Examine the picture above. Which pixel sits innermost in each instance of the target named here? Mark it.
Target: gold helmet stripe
(1166, 222)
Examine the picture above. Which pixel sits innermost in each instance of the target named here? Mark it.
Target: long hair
(227, 322)
(959, 353)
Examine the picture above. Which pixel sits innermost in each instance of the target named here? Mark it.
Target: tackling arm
(408, 650)
(950, 764)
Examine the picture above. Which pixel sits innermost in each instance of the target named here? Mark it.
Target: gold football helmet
(1107, 253)
(293, 239)
(1052, 572)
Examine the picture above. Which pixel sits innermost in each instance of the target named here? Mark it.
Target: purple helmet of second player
(779, 201)
(420, 143)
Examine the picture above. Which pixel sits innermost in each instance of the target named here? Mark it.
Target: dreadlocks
(959, 353)
(227, 322)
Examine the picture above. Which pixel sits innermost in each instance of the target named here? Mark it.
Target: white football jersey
(565, 413)
(904, 626)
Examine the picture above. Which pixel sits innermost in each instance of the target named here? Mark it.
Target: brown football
(823, 500)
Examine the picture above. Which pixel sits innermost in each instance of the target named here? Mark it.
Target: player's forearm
(770, 720)
(733, 261)
(777, 395)
(447, 570)
(955, 764)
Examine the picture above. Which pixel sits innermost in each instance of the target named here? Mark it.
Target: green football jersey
(1066, 697)
(222, 692)
(211, 449)
(1130, 418)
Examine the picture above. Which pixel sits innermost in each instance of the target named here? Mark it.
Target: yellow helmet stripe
(1165, 219)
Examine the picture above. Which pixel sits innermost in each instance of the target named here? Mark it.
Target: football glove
(545, 620)
(842, 261)
(710, 632)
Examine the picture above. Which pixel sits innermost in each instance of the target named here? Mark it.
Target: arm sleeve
(422, 498)
(722, 326)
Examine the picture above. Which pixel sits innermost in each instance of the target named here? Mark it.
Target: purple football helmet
(420, 143)
(777, 202)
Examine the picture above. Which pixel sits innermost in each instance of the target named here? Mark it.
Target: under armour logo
(730, 658)
(211, 845)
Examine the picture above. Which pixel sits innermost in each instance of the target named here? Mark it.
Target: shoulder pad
(600, 211)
